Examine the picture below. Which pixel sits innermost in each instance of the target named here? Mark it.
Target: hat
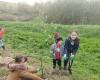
(56, 34)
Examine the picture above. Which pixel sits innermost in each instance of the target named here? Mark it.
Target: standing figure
(1, 38)
(71, 46)
(57, 53)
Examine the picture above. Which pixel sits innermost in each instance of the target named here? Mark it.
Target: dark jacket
(69, 48)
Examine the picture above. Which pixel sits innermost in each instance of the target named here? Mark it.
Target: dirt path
(57, 74)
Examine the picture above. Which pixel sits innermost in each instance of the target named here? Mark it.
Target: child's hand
(65, 56)
(72, 56)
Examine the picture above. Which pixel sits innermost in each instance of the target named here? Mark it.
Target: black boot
(69, 66)
(65, 64)
(54, 67)
(70, 71)
(59, 64)
(65, 67)
(3, 47)
(54, 63)
(59, 67)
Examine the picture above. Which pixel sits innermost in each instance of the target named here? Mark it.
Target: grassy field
(31, 39)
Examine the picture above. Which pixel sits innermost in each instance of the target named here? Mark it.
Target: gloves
(72, 56)
(65, 56)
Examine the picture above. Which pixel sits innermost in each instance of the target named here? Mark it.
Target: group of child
(66, 51)
(20, 70)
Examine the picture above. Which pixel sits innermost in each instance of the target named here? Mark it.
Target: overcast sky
(26, 1)
(31, 1)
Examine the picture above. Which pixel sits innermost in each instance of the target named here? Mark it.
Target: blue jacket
(69, 48)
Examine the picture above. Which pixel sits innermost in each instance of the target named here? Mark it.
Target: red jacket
(58, 50)
(1, 33)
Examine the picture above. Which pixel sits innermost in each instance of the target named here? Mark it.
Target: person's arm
(5, 61)
(52, 51)
(13, 66)
(75, 49)
(3, 30)
(2, 64)
(65, 46)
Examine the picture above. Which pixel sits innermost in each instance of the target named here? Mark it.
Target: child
(56, 36)
(1, 38)
(71, 46)
(56, 53)
(19, 69)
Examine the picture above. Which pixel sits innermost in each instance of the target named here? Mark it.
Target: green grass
(31, 37)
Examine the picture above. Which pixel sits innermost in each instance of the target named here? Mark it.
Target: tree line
(59, 11)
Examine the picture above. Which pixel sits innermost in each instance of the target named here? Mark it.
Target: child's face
(73, 35)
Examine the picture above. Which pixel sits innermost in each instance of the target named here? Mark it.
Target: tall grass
(32, 39)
